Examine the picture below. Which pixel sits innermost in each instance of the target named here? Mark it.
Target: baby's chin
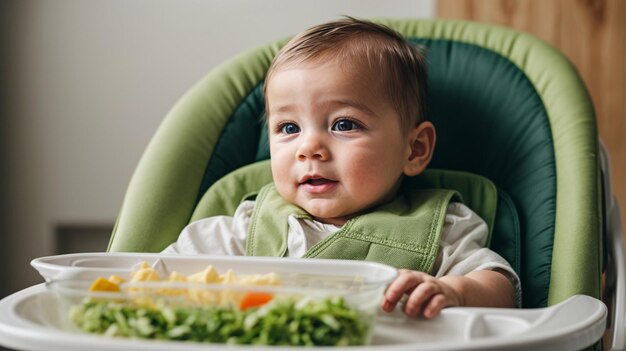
(329, 217)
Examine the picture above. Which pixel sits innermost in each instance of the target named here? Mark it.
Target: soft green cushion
(507, 238)
(246, 124)
(228, 192)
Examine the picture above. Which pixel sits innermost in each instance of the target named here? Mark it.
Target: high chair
(506, 106)
(509, 110)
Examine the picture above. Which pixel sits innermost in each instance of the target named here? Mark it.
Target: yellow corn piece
(143, 265)
(141, 296)
(145, 274)
(116, 279)
(205, 296)
(230, 297)
(229, 277)
(209, 275)
(177, 277)
(174, 277)
(102, 284)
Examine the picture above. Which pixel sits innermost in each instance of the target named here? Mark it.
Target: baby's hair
(400, 65)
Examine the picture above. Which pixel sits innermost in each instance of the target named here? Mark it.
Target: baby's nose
(312, 147)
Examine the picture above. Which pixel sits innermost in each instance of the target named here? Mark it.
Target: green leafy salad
(281, 321)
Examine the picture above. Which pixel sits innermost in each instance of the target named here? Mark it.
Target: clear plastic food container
(310, 306)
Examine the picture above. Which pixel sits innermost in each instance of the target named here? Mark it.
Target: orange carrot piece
(254, 299)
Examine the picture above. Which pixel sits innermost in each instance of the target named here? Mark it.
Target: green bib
(403, 233)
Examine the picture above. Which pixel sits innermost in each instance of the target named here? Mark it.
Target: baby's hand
(427, 294)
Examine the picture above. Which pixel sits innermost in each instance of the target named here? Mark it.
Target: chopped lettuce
(283, 321)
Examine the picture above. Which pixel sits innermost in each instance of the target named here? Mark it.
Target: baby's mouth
(319, 181)
(318, 184)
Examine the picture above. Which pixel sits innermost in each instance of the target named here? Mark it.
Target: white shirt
(462, 241)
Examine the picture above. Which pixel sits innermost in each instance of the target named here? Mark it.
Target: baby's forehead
(353, 68)
(345, 59)
(335, 80)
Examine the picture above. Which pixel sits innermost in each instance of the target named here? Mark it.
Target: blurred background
(84, 85)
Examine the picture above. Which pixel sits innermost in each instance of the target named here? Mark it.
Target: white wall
(85, 84)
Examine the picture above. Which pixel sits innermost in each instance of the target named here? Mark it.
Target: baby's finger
(419, 298)
(388, 306)
(405, 283)
(401, 285)
(435, 305)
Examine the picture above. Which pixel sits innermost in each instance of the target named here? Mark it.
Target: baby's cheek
(376, 176)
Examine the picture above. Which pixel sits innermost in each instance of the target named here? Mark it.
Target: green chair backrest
(506, 106)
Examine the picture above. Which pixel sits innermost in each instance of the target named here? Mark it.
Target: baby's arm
(427, 295)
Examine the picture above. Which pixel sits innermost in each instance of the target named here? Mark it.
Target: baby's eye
(344, 125)
(289, 128)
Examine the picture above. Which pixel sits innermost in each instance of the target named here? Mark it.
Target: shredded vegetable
(281, 321)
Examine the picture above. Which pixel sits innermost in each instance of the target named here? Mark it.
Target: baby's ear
(421, 141)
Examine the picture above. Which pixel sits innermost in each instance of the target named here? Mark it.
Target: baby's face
(336, 143)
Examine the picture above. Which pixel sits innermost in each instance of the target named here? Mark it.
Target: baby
(346, 116)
